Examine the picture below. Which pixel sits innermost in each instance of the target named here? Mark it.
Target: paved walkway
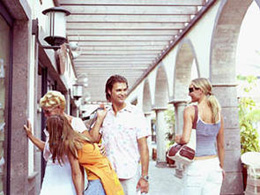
(162, 180)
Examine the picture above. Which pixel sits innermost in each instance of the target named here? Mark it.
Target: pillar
(161, 130)
(179, 106)
(227, 96)
(149, 139)
(19, 144)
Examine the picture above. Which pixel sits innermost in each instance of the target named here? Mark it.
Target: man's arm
(144, 153)
(94, 132)
(37, 142)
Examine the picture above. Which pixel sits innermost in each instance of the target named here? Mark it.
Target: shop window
(4, 63)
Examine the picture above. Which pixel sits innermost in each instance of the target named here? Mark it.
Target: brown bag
(185, 153)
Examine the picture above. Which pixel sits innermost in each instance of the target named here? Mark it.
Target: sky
(248, 50)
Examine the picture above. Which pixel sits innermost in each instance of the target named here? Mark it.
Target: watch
(145, 177)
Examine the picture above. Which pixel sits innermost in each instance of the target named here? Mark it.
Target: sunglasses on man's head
(191, 89)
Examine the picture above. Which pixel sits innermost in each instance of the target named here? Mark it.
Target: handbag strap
(194, 124)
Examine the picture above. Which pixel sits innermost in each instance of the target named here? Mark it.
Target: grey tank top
(206, 138)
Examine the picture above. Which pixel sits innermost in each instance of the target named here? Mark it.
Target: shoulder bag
(185, 153)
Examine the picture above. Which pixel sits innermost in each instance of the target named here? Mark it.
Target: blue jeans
(94, 187)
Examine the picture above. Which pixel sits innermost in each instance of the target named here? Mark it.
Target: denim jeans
(94, 187)
(203, 177)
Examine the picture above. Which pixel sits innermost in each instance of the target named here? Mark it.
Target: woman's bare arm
(77, 176)
(37, 142)
(220, 144)
(188, 116)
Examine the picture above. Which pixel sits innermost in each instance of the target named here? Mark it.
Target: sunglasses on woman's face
(191, 89)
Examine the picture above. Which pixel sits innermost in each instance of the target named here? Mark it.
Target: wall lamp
(55, 27)
(77, 91)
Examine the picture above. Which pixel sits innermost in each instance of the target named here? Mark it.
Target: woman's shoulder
(190, 108)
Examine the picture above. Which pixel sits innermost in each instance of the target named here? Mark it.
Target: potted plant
(249, 115)
(170, 138)
(170, 121)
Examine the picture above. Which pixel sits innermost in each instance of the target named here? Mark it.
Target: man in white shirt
(124, 131)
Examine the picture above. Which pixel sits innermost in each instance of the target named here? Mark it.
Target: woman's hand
(177, 138)
(28, 128)
(223, 173)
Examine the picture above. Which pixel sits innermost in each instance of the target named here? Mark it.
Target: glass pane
(4, 62)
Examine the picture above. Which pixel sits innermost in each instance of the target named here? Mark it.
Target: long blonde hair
(212, 101)
(63, 139)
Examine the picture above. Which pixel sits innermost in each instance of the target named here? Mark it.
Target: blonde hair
(53, 98)
(63, 139)
(213, 103)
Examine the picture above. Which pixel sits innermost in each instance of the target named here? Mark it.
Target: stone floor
(162, 180)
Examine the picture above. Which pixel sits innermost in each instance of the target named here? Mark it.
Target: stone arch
(182, 73)
(223, 77)
(147, 101)
(224, 40)
(161, 88)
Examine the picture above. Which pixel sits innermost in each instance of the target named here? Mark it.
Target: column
(18, 150)
(149, 139)
(227, 96)
(160, 135)
(179, 106)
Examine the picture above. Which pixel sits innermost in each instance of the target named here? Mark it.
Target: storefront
(5, 71)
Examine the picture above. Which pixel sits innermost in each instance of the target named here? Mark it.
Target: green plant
(169, 116)
(248, 115)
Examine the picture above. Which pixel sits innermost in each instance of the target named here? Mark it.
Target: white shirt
(119, 136)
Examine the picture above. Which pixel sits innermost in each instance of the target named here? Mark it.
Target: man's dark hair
(111, 81)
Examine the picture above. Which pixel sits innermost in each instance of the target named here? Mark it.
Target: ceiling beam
(130, 10)
(132, 2)
(121, 38)
(114, 59)
(122, 48)
(118, 53)
(124, 26)
(119, 44)
(127, 18)
(116, 32)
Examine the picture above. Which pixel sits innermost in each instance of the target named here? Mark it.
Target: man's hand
(143, 185)
(101, 112)
(102, 149)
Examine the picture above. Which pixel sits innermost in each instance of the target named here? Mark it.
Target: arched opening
(223, 77)
(186, 68)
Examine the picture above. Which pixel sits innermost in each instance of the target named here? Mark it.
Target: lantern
(77, 91)
(56, 25)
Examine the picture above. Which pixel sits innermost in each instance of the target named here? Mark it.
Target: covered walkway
(158, 45)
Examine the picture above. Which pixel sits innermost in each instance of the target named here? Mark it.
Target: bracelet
(145, 177)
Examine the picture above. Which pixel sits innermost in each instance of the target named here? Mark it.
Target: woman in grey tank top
(205, 175)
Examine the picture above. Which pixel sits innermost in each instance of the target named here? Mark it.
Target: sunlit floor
(163, 181)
